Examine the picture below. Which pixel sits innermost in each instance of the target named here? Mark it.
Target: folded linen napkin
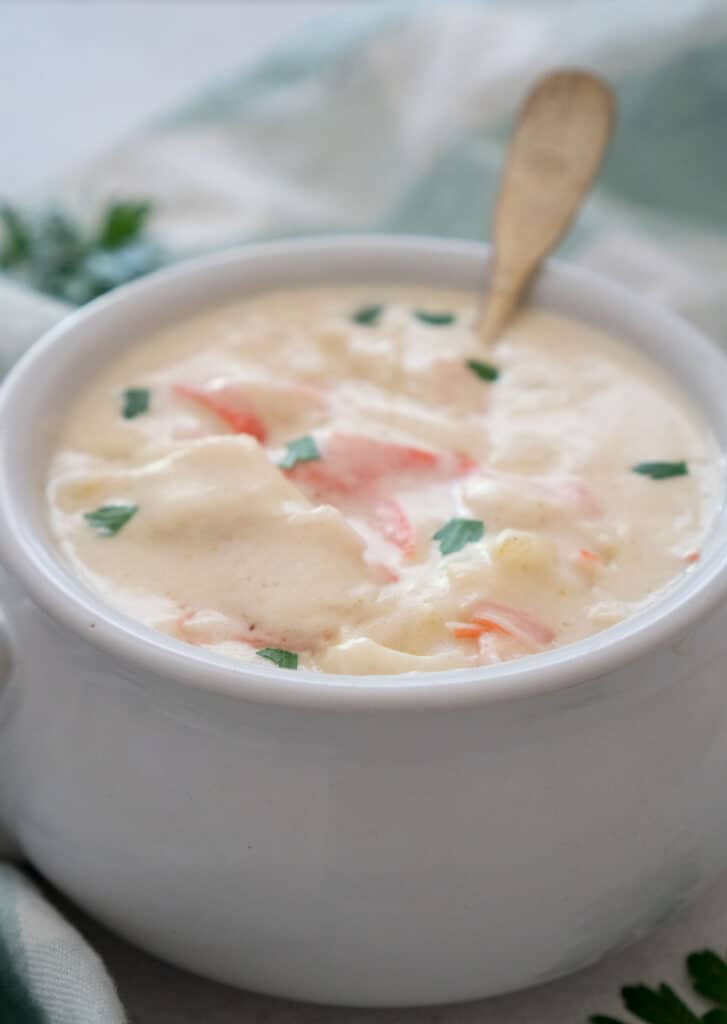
(395, 119)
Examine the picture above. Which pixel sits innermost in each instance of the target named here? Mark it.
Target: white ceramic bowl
(377, 840)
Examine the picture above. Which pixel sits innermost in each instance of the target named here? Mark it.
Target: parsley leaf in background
(708, 973)
(122, 223)
(16, 238)
(661, 1005)
(55, 254)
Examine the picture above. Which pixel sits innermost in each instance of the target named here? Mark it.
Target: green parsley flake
(135, 402)
(108, 519)
(304, 449)
(434, 319)
(661, 470)
(486, 371)
(283, 659)
(368, 316)
(455, 534)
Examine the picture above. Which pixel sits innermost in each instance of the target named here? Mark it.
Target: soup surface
(349, 480)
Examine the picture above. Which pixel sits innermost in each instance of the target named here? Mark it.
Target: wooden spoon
(560, 139)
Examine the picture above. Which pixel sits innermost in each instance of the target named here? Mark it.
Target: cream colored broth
(335, 559)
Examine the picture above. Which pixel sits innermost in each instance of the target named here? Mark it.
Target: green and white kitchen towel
(48, 974)
(394, 118)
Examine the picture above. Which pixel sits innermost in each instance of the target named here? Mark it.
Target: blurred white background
(78, 76)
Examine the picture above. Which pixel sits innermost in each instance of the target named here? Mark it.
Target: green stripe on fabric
(16, 1003)
(670, 153)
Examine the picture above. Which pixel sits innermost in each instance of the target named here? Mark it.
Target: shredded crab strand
(234, 410)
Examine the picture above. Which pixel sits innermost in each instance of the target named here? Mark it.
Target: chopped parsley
(16, 240)
(435, 319)
(283, 659)
(304, 449)
(661, 1005)
(660, 470)
(368, 316)
(57, 254)
(485, 371)
(455, 534)
(122, 222)
(108, 519)
(135, 401)
(708, 973)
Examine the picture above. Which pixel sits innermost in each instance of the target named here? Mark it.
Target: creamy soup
(351, 481)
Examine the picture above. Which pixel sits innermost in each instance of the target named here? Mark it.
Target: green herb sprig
(485, 371)
(455, 534)
(434, 319)
(283, 659)
(661, 1005)
(303, 449)
(53, 253)
(660, 470)
(135, 402)
(368, 316)
(108, 519)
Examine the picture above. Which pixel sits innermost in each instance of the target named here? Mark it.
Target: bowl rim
(54, 587)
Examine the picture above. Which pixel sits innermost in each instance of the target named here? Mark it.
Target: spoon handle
(560, 139)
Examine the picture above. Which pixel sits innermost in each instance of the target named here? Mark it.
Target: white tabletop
(83, 75)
